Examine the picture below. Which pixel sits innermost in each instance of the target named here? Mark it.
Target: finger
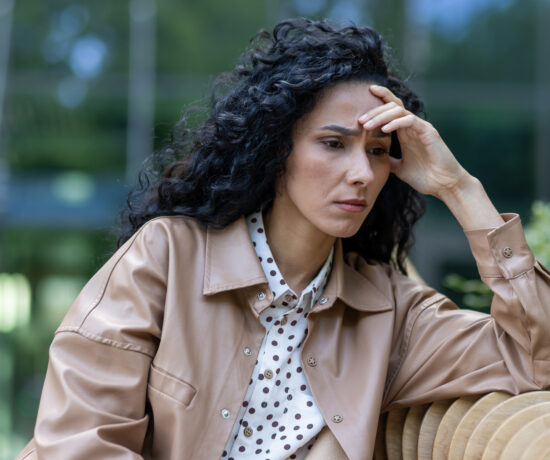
(385, 117)
(377, 110)
(407, 121)
(385, 94)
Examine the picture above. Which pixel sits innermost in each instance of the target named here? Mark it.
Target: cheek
(381, 176)
(382, 173)
(309, 173)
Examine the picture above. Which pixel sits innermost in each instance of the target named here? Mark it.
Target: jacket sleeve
(94, 397)
(443, 352)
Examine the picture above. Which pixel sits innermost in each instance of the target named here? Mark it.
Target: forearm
(470, 204)
(521, 305)
(470, 352)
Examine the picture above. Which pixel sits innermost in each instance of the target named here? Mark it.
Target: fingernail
(375, 86)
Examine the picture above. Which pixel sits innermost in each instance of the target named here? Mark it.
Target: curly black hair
(228, 166)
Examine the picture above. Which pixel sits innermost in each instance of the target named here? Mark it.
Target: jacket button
(247, 351)
(323, 300)
(311, 361)
(337, 418)
(226, 413)
(507, 252)
(268, 374)
(248, 431)
(261, 295)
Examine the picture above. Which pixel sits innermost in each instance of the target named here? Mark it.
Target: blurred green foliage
(537, 232)
(475, 294)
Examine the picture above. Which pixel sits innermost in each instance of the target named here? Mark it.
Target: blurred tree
(497, 45)
(66, 112)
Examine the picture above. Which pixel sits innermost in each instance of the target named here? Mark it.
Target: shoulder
(156, 245)
(129, 290)
(168, 229)
(407, 295)
(161, 239)
(386, 277)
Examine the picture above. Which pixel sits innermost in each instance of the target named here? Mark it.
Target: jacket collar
(352, 287)
(230, 259)
(231, 263)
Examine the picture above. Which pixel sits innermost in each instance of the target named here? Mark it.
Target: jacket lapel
(350, 341)
(230, 260)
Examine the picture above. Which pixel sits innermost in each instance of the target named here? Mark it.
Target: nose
(360, 171)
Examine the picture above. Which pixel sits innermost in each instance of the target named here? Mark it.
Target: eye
(333, 143)
(377, 151)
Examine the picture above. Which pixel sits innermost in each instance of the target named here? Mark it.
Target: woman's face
(336, 168)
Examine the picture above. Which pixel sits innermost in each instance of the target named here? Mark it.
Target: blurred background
(88, 89)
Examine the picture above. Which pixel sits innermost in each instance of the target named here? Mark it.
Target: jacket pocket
(170, 386)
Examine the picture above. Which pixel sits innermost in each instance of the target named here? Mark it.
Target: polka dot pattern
(281, 411)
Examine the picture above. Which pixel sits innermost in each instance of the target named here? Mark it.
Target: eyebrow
(353, 132)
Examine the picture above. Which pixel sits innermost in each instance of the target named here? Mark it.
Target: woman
(267, 299)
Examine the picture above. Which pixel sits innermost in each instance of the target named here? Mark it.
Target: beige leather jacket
(149, 361)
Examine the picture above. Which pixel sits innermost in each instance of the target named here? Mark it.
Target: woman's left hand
(427, 164)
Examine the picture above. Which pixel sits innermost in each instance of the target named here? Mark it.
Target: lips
(352, 205)
(354, 201)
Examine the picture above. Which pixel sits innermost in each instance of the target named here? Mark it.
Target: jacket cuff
(501, 251)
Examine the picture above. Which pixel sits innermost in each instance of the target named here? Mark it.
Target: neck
(300, 251)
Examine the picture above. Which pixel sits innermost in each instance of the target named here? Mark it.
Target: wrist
(470, 205)
(465, 185)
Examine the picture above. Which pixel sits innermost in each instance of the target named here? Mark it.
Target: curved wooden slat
(394, 433)
(488, 425)
(380, 442)
(428, 428)
(539, 449)
(510, 427)
(411, 429)
(448, 424)
(526, 435)
(470, 420)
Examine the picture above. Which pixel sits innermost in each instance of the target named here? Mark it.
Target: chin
(348, 234)
(343, 231)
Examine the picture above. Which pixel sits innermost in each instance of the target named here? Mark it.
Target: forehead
(342, 104)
